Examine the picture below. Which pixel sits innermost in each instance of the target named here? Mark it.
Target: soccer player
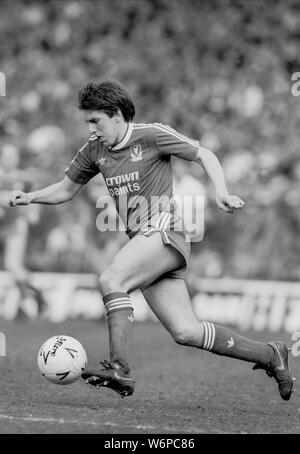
(135, 161)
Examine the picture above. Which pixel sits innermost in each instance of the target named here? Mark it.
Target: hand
(229, 203)
(19, 198)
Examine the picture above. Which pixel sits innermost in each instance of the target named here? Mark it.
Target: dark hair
(108, 96)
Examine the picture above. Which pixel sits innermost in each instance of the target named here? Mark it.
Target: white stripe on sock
(118, 304)
(207, 335)
(123, 298)
(124, 301)
(113, 306)
(213, 336)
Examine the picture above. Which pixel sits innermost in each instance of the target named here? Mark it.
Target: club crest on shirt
(136, 153)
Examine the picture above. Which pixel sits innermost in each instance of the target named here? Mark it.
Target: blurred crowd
(217, 70)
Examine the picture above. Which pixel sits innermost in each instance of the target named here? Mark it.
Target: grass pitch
(179, 390)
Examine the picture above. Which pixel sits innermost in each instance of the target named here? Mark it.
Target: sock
(119, 312)
(223, 341)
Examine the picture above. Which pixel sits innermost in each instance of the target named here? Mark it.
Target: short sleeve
(82, 168)
(170, 142)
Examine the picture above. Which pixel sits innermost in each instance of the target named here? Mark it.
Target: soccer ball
(62, 359)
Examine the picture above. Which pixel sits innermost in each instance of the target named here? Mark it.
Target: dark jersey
(137, 171)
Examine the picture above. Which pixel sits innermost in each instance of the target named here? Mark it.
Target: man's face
(108, 129)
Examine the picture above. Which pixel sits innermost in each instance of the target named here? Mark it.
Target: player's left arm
(170, 142)
(225, 201)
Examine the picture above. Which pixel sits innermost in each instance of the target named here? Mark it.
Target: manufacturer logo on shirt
(102, 161)
(136, 153)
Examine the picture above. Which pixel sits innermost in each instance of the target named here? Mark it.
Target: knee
(111, 281)
(183, 337)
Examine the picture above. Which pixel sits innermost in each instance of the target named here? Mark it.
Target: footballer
(135, 161)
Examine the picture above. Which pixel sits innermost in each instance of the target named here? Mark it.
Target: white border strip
(104, 424)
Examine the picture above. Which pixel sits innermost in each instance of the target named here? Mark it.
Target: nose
(92, 128)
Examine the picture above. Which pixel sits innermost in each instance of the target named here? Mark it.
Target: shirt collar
(125, 139)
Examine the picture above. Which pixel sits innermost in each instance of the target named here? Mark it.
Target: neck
(122, 132)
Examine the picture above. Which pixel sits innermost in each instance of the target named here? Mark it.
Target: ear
(118, 116)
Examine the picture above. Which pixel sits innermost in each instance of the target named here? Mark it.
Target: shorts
(170, 226)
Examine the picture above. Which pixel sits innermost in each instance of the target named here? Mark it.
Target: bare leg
(141, 260)
(169, 300)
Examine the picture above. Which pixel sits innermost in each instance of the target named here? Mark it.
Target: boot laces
(106, 365)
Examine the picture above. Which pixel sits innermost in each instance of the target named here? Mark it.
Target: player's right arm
(79, 172)
(57, 193)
